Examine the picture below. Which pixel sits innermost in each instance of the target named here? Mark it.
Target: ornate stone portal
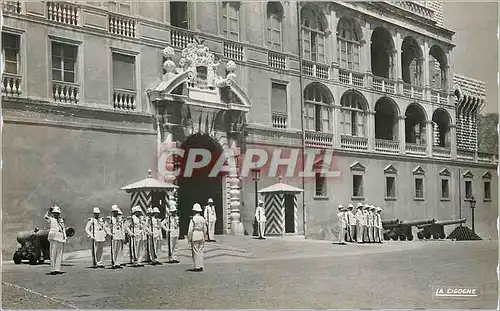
(194, 99)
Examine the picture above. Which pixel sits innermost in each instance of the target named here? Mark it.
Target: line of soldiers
(362, 226)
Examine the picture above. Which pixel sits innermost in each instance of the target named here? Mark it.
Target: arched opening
(441, 126)
(318, 102)
(274, 27)
(198, 187)
(411, 61)
(438, 68)
(314, 27)
(415, 124)
(382, 55)
(386, 119)
(179, 14)
(353, 114)
(349, 44)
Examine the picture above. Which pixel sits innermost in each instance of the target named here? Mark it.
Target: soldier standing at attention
(380, 227)
(370, 224)
(351, 224)
(121, 220)
(366, 238)
(147, 254)
(135, 230)
(374, 224)
(56, 237)
(196, 237)
(341, 223)
(156, 236)
(211, 218)
(97, 231)
(117, 231)
(359, 223)
(260, 216)
(171, 225)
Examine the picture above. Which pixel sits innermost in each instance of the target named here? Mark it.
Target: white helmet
(197, 207)
(96, 210)
(360, 205)
(350, 206)
(136, 209)
(115, 208)
(156, 210)
(120, 212)
(341, 207)
(56, 209)
(261, 202)
(210, 200)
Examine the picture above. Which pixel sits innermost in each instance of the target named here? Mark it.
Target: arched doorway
(199, 186)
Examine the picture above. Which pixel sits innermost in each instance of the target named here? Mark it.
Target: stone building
(92, 91)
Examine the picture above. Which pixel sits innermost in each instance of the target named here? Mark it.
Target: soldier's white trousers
(341, 234)
(359, 233)
(352, 233)
(197, 253)
(381, 234)
(262, 228)
(154, 253)
(117, 246)
(56, 254)
(211, 230)
(375, 235)
(365, 234)
(139, 254)
(174, 240)
(370, 234)
(99, 250)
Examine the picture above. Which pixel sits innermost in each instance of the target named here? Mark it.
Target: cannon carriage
(436, 229)
(35, 246)
(395, 229)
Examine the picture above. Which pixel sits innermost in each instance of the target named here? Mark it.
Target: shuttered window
(231, 20)
(123, 72)
(278, 97)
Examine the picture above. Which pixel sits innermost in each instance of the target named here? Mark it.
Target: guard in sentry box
(96, 230)
(351, 224)
(359, 223)
(211, 217)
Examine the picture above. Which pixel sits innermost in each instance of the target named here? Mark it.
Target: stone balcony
(351, 78)
(317, 70)
(318, 139)
(11, 85)
(384, 85)
(387, 146)
(280, 120)
(415, 150)
(354, 143)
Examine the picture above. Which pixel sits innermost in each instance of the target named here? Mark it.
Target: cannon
(35, 245)
(436, 230)
(402, 229)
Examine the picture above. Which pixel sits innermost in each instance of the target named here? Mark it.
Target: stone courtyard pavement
(289, 272)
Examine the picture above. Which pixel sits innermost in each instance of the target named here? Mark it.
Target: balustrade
(318, 139)
(12, 7)
(353, 142)
(438, 97)
(413, 91)
(280, 120)
(62, 12)
(441, 152)
(65, 92)
(233, 50)
(11, 84)
(180, 38)
(416, 149)
(387, 146)
(384, 85)
(276, 60)
(312, 69)
(351, 78)
(467, 155)
(124, 99)
(121, 25)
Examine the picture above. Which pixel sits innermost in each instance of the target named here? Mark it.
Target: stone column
(370, 131)
(235, 193)
(402, 134)
(337, 116)
(426, 83)
(453, 140)
(429, 137)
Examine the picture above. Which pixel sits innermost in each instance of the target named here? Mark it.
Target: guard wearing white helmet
(351, 224)
(148, 232)
(136, 229)
(366, 238)
(379, 225)
(171, 225)
(211, 218)
(156, 236)
(97, 230)
(371, 223)
(359, 223)
(57, 238)
(260, 216)
(341, 224)
(122, 221)
(117, 231)
(196, 237)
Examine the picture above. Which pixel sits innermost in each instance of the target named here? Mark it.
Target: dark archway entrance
(199, 186)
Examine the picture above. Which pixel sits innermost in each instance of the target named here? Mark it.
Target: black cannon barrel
(444, 223)
(24, 236)
(394, 221)
(417, 222)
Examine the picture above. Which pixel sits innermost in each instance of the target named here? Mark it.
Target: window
(313, 35)
(231, 20)
(10, 48)
(487, 191)
(445, 189)
(274, 18)
(419, 188)
(390, 186)
(64, 62)
(278, 97)
(357, 185)
(468, 189)
(318, 109)
(352, 115)
(123, 72)
(348, 45)
(179, 16)
(320, 185)
(121, 7)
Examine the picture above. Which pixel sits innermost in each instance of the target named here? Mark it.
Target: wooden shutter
(360, 118)
(325, 117)
(310, 117)
(306, 37)
(321, 49)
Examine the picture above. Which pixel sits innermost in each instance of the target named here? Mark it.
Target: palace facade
(91, 92)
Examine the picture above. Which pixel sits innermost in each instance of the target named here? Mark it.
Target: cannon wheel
(420, 235)
(402, 237)
(427, 236)
(17, 258)
(410, 237)
(394, 237)
(386, 237)
(33, 259)
(442, 236)
(435, 236)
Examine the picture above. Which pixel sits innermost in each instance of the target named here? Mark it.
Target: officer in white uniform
(371, 223)
(147, 252)
(171, 225)
(380, 227)
(341, 224)
(366, 238)
(121, 219)
(374, 228)
(359, 223)
(136, 230)
(117, 232)
(156, 239)
(196, 237)
(211, 217)
(96, 230)
(260, 216)
(57, 238)
(351, 224)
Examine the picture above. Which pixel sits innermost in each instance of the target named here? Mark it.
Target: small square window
(357, 185)
(468, 189)
(390, 187)
(487, 191)
(445, 189)
(419, 188)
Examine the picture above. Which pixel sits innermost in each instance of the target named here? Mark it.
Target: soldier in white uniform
(341, 224)
(380, 227)
(374, 228)
(146, 255)
(136, 230)
(359, 223)
(155, 241)
(196, 237)
(351, 224)
(370, 223)
(211, 217)
(57, 238)
(96, 230)
(171, 225)
(116, 229)
(260, 216)
(366, 238)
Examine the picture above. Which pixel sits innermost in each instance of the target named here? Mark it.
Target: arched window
(231, 20)
(274, 29)
(348, 40)
(353, 114)
(313, 35)
(318, 109)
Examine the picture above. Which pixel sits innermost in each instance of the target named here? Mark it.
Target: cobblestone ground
(241, 272)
